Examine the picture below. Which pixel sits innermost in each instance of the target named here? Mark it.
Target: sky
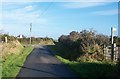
(52, 19)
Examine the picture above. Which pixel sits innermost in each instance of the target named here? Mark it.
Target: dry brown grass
(12, 47)
(47, 42)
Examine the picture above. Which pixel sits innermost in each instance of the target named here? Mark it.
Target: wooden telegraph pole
(30, 32)
(112, 43)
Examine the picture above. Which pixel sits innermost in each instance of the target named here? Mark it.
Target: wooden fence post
(6, 40)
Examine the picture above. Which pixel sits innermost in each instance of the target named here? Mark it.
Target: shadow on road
(36, 70)
(41, 63)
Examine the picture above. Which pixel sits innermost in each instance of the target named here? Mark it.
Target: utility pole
(119, 31)
(112, 43)
(30, 32)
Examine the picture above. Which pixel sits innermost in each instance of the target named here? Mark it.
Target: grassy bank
(87, 70)
(10, 68)
(90, 70)
(0, 69)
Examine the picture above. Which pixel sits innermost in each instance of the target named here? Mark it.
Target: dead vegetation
(12, 47)
(46, 42)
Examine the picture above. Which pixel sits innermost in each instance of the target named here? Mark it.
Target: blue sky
(53, 19)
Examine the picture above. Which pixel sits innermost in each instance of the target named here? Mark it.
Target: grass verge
(88, 70)
(9, 65)
(0, 69)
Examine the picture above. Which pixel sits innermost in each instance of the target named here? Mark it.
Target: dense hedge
(26, 40)
(10, 38)
(86, 44)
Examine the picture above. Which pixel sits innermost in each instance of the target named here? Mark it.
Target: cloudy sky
(53, 19)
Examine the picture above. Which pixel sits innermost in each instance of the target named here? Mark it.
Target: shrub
(83, 43)
(10, 38)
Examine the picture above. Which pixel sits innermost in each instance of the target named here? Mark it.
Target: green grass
(0, 69)
(86, 69)
(90, 70)
(10, 68)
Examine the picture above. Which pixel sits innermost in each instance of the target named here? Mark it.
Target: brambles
(85, 43)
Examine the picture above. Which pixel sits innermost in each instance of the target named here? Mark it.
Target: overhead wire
(51, 3)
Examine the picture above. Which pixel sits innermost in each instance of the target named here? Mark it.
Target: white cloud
(29, 8)
(107, 12)
(22, 15)
(81, 4)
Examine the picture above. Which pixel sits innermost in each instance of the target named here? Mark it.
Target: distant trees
(35, 40)
(3, 35)
(86, 42)
(102, 39)
(25, 40)
(9, 38)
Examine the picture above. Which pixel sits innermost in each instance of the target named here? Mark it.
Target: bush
(10, 38)
(35, 40)
(84, 43)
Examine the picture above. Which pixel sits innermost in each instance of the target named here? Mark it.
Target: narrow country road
(41, 63)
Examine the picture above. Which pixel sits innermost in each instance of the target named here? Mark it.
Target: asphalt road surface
(41, 63)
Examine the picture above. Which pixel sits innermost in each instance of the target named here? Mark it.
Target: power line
(40, 16)
(51, 3)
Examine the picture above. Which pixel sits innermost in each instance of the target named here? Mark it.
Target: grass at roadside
(88, 70)
(0, 69)
(10, 68)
